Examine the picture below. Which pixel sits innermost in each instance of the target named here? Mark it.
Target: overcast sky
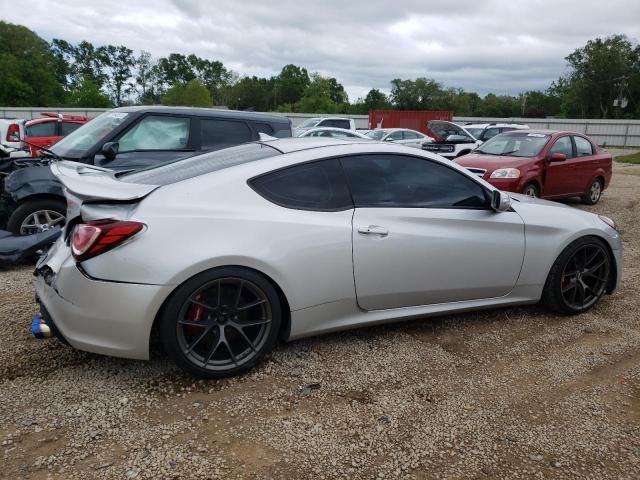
(479, 45)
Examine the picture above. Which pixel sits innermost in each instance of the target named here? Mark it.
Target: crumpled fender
(29, 181)
(19, 248)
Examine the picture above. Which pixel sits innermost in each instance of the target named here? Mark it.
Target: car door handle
(373, 230)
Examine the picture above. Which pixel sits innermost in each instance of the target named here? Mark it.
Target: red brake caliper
(194, 314)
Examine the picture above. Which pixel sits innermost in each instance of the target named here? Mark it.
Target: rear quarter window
(319, 186)
(222, 133)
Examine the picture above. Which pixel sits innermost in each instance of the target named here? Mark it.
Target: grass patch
(633, 158)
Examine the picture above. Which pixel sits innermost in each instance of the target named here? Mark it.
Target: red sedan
(543, 163)
(47, 130)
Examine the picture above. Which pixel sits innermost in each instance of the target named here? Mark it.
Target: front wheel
(595, 192)
(578, 278)
(221, 322)
(531, 190)
(37, 215)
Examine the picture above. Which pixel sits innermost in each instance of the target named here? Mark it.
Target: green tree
(27, 69)
(253, 93)
(86, 94)
(193, 94)
(419, 94)
(600, 72)
(317, 97)
(290, 84)
(119, 62)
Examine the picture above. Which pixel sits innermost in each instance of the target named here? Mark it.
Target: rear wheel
(578, 278)
(594, 194)
(37, 215)
(531, 190)
(221, 322)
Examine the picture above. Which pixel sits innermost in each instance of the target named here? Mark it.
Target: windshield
(309, 123)
(77, 143)
(376, 134)
(514, 144)
(476, 132)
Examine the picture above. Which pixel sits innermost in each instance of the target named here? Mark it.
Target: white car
(334, 122)
(403, 136)
(331, 132)
(451, 140)
(9, 147)
(485, 131)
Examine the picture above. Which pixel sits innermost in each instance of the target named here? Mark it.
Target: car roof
(501, 124)
(542, 131)
(205, 112)
(296, 144)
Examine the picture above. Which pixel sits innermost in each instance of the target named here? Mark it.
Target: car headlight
(506, 173)
(609, 222)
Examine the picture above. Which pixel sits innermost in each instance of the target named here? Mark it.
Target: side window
(220, 133)
(583, 147)
(325, 123)
(342, 124)
(68, 127)
(45, 129)
(563, 145)
(410, 135)
(310, 186)
(490, 133)
(156, 132)
(403, 181)
(397, 135)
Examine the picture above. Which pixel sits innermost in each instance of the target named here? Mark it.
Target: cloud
(484, 46)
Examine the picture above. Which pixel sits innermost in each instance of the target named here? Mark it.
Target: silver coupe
(222, 254)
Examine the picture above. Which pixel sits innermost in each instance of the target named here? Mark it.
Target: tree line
(602, 81)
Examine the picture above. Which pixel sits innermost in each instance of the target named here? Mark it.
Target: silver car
(222, 254)
(402, 136)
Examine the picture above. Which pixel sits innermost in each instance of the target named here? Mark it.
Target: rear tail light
(94, 238)
(14, 129)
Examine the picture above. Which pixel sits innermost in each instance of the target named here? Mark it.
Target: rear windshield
(182, 169)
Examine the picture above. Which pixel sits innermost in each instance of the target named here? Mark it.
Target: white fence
(619, 133)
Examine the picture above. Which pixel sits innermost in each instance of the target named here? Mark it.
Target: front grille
(477, 171)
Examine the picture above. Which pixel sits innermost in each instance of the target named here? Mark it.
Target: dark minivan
(130, 138)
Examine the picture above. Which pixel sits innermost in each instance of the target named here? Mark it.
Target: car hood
(442, 129)
(520, 198)
(491, 162)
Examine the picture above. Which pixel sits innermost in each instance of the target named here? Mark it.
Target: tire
(561, 284)
(211, 330)
(531, 190)
(20, 217)
(594, 194)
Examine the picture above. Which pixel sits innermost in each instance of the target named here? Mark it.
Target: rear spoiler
(88, 182)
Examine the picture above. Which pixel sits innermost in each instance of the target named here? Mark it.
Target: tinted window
(401, 181)
(46, 129)
(490, 133)
(342, 124)
(311, 186)
(563, 145)
(156, 132)
(68, 127)
(397, 135)
(221, 133)
(410, 135)
(583, 147)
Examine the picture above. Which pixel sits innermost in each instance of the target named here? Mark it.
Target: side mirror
(110, 150)
(557, 157)
(388, 139)
(500, 201)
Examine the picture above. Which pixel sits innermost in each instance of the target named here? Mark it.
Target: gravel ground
(512, 393)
